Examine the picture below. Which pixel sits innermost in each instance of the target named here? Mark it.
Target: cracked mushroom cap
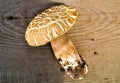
(50, 24)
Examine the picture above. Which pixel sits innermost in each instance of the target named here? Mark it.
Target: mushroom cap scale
(50, 24)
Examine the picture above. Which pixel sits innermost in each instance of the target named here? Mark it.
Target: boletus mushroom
(51, 26)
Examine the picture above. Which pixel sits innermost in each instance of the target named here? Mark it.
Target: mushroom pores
(50, 24)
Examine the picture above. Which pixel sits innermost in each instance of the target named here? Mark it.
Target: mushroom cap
(50, 24)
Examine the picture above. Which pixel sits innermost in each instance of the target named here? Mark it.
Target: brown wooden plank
(20, 63)
(96, 35)
(97, 38)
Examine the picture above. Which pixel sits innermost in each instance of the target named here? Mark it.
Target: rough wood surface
(96, 35)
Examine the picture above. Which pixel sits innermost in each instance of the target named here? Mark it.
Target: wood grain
(96, 35)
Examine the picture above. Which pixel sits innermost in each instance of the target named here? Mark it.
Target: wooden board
(96, 35)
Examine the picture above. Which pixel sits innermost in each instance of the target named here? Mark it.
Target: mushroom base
(69, 58)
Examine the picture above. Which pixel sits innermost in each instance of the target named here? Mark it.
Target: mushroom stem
(69, 58)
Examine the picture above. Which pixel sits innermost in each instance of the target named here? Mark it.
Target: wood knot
(106, 78)
(92, 39)
(11, 17)
(95, 53)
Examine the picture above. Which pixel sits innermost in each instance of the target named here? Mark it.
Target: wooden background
(96, 35)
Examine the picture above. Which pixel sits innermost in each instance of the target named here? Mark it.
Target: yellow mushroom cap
(50, 24)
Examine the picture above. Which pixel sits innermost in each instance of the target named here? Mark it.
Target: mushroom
(51, 26)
